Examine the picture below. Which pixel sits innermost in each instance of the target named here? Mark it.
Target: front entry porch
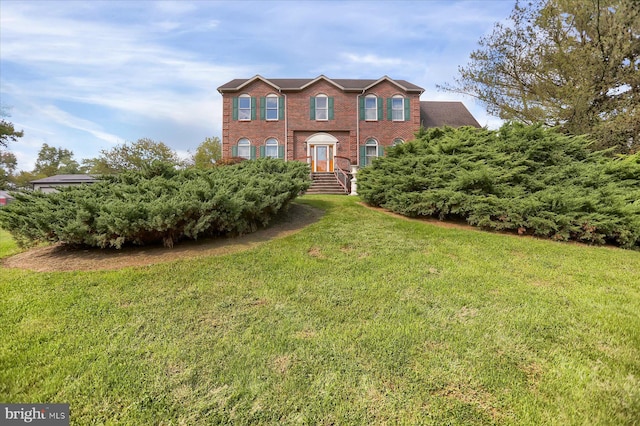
(330, 172)
(321, 150)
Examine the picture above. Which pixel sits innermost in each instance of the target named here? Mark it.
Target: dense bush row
(158, 204)
(522, 178)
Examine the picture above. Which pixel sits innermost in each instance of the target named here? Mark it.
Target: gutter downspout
(286, 128)
(358, 127)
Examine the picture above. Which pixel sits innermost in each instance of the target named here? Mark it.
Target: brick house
(330, 123)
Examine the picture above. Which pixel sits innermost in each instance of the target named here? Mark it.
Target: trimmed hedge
(158, 204)
(526, 179)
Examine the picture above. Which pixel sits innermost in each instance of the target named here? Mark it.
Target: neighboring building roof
(65, 179)
(445, 113)
(300, 83)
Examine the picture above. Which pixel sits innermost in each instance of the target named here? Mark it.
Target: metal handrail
(342, 176)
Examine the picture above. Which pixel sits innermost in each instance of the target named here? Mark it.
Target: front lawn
(361, 318)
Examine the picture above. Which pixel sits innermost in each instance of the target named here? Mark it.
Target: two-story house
(326, 121)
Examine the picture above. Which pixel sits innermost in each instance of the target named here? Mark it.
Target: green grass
(361, 318)
(7, 245)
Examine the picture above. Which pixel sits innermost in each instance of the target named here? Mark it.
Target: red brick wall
(344, 126)
(257, 131)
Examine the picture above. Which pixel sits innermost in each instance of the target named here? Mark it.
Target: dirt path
(60, 258)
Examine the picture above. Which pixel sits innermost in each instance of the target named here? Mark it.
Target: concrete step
(312, 191)
(325, 183)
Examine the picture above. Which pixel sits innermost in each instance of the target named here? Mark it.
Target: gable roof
(445, 113)
(66, 179)
(293, 84)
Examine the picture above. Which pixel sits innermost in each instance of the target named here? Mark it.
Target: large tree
(208, 153)
(8, 133)
(52, 161)
(132, 156)
(8, 164)
(574, 64)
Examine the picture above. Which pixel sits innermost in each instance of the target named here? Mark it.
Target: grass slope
(361, 318)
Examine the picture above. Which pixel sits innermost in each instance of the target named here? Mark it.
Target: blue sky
(88, 75)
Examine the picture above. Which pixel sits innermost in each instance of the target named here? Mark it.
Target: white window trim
(374, 108)
(375, 143)
(401, 109)
(240, 98)
(325, 109)
(244, 143)
(267, 109)
(271, 143)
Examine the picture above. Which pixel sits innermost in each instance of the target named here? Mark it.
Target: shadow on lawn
(59, 257)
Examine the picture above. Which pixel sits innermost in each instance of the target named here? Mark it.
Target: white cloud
(84, 75)
(373, 60)
(105, 65)
(61, 117)
(174, 7)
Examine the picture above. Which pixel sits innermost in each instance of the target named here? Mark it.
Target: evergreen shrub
(525, 179)
(157, 204)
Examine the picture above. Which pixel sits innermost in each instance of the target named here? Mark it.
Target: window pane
(398, 109)
(371, 108)
(271, 148)
(322, 108)
(272, 151)
(272, 114)
(244, 108)
(321, 153)
(244, 148)
(272, 108)
(244, 152)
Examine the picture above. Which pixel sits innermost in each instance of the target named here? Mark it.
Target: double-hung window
(271, 106)
(271, 148)
(244, 107)
(397, 108)
(369, 151)
(322, 107)
(370, 107)
(244, 148)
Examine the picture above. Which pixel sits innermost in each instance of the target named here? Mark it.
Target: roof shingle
(300, 83)
(445, 113)
(62, 179)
